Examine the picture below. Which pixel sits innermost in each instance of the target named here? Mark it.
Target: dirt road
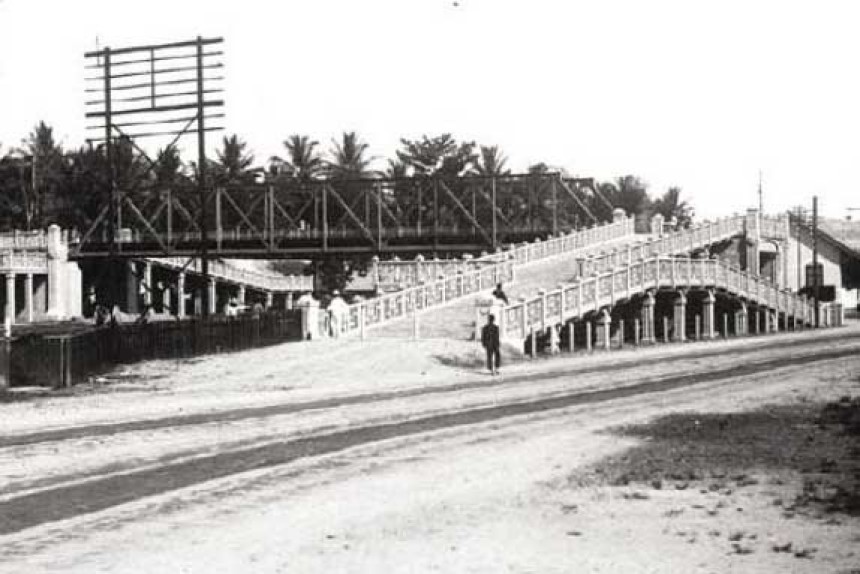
(93, 489)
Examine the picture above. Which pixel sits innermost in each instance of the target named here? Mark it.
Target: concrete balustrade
(644, 279)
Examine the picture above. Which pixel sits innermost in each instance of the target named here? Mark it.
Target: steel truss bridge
(291, 219)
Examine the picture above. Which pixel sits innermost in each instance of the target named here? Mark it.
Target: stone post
(657, 225)
(310, 309)
(708, 315)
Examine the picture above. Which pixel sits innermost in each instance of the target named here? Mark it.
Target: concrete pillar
(10, 298)
(554, 347)
(270, 299)
(757, 322)
(708, 326)
(570, 336)
(147, 284)
(131, 287)
(679, 318)
(604, 328)
(647, 313)
(213, 297)
(28, 297)
(588, 336)
(240, 294)
(288, 300)
(768, 326)
(57, 258)
(180, 296)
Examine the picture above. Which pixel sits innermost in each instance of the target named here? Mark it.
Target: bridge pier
(742, 321)
(10, 298)
(604, 328)
(647, 312)
(213, 297)
(147, 285)
(708, 305)
(181, 299)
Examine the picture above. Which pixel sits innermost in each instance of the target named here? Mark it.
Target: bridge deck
(456, 320)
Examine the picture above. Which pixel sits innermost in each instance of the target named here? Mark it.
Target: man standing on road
(490, 342)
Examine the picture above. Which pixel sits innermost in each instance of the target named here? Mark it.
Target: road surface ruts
(232, 415)
(64, 502)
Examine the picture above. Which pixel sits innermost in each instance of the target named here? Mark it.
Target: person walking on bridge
(499, 294)
(491, 343)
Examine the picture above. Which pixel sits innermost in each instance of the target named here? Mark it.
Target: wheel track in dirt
(239, 414)
(63, 502)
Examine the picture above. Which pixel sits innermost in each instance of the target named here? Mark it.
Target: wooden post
(621, 334)
(698, 327)
(636, 332)
(665, 329)
(725, 325)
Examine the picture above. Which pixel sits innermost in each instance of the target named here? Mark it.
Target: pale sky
(696, 94)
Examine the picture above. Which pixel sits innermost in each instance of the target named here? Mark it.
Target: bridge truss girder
(290, 218)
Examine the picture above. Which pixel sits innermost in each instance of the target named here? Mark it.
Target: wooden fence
(63, 360)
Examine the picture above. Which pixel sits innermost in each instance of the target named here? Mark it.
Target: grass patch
(723, 452)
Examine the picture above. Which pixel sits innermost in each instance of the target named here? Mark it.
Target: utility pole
(815, 278)
(201, 179)
(760, 195)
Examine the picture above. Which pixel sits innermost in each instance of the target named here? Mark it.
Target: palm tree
(303, 162)
(491, 161)
(670, 206)
(168, 166)
(234, 162)
(44, 158)
(349, 158)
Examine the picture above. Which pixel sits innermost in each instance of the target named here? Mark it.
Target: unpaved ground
(489, 494)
